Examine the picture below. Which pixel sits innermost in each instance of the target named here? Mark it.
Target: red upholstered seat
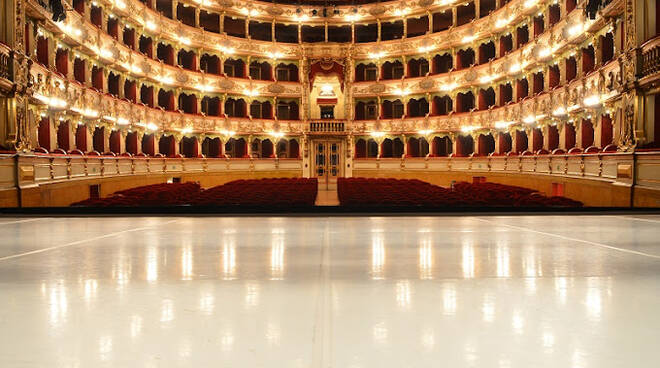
(369, 193)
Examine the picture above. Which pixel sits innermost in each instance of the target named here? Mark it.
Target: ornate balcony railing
(651, 57)
(6, 64)
(327, 126)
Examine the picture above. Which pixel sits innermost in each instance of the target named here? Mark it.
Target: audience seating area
(155, 195)
(353, 193)
(279, 193)
(357, 193)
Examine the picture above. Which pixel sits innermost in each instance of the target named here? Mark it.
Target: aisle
(327, 198)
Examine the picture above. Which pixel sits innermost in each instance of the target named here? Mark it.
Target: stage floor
(518, 291)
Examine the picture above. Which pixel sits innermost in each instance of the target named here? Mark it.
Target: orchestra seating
(156, 195)
(280, 193)
(359, 193)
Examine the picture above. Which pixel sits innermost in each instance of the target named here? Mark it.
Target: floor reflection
(394, 292)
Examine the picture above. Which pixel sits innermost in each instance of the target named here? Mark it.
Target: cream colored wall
(315, 110)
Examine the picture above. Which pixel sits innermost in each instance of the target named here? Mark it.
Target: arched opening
(464, 102)
(210, 64)
(167, 146)
(130, 90)
(537, 140)
(418, 147)
(505, 142)
(522, 89)
(506, 94)
(372, 148)
(294, 149)
(569, 136)
(212, 147)
(267, 150)
(187, 60)
(442, 63)
(539, 81)
(360, 148)
(286, 72)
(392, 70)
(586, 134)
(190, 147)
(98, 140)
(418, 108)
(464, 146)
(64, 140)
(606, 132)
(486, 144)
(211, 106)
(236, 148)
(234, 68)
(115, 142)
(166, 100)
(486, 52)
(418, 67)
(261, 110)
(113, 84)
(165, 53)
(442, 147)
(287, 110)
(149, 144)
(393, 109)
(188, 103)
(521, 142)
(235, 108)
(147, 95)
(366, 72)
(260, 71)
(553, 137)
(366, 110)
(442, 105)
(464, 58)
(132, 143)
(486, 98)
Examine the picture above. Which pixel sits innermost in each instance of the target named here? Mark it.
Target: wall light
(150, 25)
(377, 134)
(591, 101)
(376, 55)
(503, 124)
(560, 111)
(251, 92)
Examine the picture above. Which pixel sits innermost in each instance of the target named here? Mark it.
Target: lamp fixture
(469, 128)
(150, 25)
(503, 124)
(376, 55)
(591, 101)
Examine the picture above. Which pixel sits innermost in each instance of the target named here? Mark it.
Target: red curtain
(324, 67)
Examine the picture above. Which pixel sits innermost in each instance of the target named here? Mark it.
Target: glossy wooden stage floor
(520, 291)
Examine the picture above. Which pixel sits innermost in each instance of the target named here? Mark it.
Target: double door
(327, 163)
